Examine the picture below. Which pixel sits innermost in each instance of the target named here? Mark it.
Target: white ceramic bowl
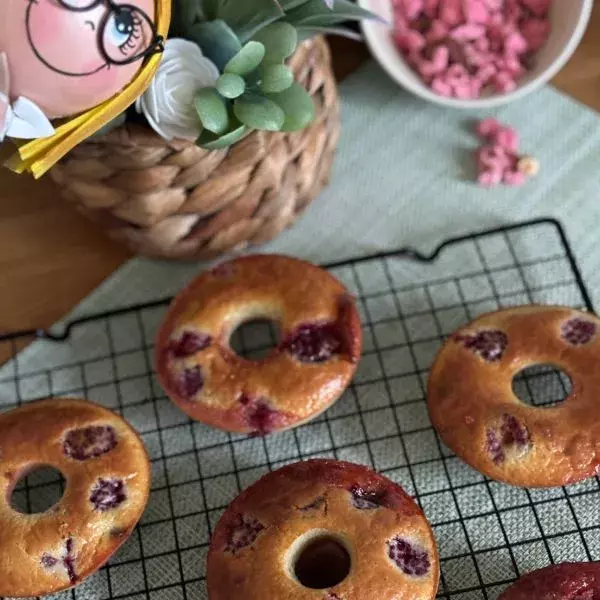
(569, 22)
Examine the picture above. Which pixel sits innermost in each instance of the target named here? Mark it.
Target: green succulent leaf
(185, 13)
(216, 40)
(298, 106)
(276, 78)
(305, 33)
(231, 86)
(280, 40)
(210, 8)
(290, 4)
(247, 59)
(315, 13)
(245, 17)
(258, 112)
(210, 141)
(212, 111)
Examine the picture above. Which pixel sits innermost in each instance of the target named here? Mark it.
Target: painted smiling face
(70, 55)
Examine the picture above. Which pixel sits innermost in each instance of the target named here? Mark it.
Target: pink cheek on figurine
(66, 41)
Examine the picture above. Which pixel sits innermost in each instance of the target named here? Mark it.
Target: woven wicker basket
(175, 200)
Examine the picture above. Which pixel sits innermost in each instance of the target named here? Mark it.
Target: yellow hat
(39, 156)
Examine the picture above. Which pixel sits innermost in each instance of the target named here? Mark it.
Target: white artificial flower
(168, 104)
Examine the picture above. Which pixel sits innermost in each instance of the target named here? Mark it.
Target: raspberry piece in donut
(297, 533)
(107, 482)
(303, 375)
(511, 437)
(108, 494)
(48, 561)
(189, 343)
(474, 409)
(261, 418)
(490, 345)
(567, 581)
(579, 332)
(314, 343)
(242, 533)
(89, 442)
(368, 499)
(409, 557)
(66, 562)
(190, 382)
(69, 561)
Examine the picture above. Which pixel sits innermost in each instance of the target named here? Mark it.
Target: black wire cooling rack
(488, 533)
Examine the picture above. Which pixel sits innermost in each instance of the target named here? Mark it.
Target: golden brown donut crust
(317, 495)
(36, 556)
(286, 290)
(473, 407)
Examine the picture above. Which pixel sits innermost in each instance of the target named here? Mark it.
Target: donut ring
(323, 530)
(302, 377)
(568, 581)
(472, 405)
(107, 475)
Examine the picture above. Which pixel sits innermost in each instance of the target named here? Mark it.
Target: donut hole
(321, 561)
(255, 339)
(543, 386)
(37, 490)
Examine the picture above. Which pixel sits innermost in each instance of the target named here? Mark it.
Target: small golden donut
(323, 530)
(302, 377)
(107, 474)
(473, 407)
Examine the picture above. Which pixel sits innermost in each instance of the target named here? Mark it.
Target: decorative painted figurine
(72, 58)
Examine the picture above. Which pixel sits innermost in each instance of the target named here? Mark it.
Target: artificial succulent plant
(249, 42)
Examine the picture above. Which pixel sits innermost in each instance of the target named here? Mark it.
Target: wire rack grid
(488, 533)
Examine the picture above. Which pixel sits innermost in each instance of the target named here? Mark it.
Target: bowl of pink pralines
(475, 53)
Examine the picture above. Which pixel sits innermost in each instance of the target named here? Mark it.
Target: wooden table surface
(51, 258)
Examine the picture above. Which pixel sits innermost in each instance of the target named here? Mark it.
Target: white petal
(179, 46)
(210, 68)
(162, 95)
(187, 132)
(170, 107)
(205, 72)
(169, 102)
(152, 102)
(171, 68)
(162, 132)
(183, 95)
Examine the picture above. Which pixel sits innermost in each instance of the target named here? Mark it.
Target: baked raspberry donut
(303, 375)
(474, 409)
(323, 530)
(107, 475)
(568, 581)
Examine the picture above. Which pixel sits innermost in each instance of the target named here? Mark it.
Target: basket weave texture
(178, 201)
